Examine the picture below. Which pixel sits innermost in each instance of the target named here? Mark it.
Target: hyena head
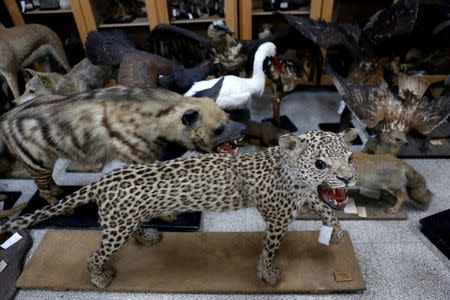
(40, 84)
(208, 128)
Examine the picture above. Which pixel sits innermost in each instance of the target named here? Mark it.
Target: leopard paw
(148, 236)
(269, 273)
(103, 278)
(169, 218)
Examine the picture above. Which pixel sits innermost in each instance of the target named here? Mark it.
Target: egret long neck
(258, 72)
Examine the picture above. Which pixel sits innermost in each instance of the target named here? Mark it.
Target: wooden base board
(197, 262)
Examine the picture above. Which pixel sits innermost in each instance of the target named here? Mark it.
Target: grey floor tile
(381, 231)
(435, 171)
(412, 270)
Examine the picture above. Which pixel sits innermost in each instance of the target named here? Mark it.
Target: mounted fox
(386, 172)
(21, 45)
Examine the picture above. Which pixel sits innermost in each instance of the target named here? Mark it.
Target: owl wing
(324, 34)
(369, 103)
(391, 22)
(430, 113)
(179, 44)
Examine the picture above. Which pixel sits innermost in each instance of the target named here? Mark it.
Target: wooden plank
(138, 22)
(231, 14)
(200, 262)
(245, 19)
(88, 15)
(162, 11)
(315, 10)
(79, 20)
(37, 11)
(327, 10)
(14, 12)
(152, 13)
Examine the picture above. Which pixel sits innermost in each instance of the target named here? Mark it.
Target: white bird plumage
(237, 92)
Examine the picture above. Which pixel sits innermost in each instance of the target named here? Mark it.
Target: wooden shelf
(251, 11)
(135, 23)
(37, 11)
(202, 19)
(302, 11)
(230, 8)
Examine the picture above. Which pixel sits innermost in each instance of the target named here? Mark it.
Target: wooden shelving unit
(230, 8)
(248, 10)
(47, 12)
(135, 23)
(92, 23)
(75, 10)
(261, 12)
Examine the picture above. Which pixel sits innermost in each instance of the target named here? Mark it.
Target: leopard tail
(417, 188)
(66, 204)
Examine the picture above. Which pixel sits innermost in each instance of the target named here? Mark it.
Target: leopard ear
(291, 143)
(349, 134)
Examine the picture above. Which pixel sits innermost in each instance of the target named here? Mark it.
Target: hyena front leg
(48, 189)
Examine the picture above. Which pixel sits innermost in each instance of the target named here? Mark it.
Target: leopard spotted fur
(277, 181)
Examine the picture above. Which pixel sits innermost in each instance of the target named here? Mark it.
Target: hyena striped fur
(130, 124)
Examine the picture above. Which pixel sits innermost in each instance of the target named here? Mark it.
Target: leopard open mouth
(335, 198)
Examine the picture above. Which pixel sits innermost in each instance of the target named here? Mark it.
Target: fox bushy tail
(107, 48)
(68, 203)
(417, 188)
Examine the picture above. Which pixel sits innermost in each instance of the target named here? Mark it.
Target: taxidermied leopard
(130, 124)
(316, 168)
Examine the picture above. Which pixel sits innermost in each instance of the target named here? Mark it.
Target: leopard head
(321, 160)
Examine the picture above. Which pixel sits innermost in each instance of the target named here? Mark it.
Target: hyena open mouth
(335, 198)
(229, 146)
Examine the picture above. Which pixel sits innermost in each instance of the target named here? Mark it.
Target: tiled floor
(397, 261)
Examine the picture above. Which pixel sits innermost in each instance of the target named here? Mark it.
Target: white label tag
(11, 241)
(284, 5)
(437, 142)
(2, 205)
(3, 265)
(350, 208)
(362, 212)
(341, 107)
(325, 235)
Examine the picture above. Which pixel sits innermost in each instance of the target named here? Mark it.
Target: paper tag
(11, 241)
(350, 207)
(341, 107)
(362, 212)
(325, 235)
(342, 276)
(437, 142)
(2, 205)
(284, 5)
(3, 265)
